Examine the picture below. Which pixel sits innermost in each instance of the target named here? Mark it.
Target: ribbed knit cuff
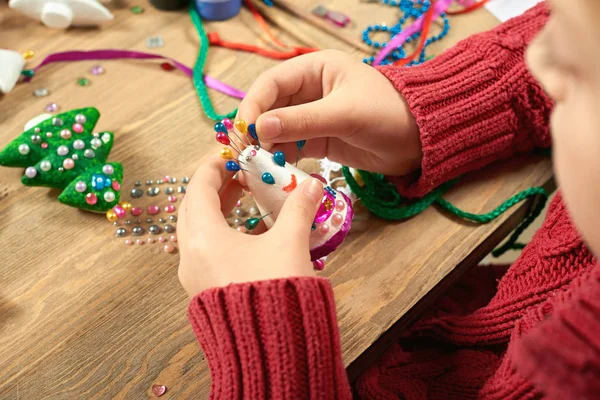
(475, 103)
(275, 339)
(562, 355)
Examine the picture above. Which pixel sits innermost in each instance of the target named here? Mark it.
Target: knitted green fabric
(99, 201)
(382, 199)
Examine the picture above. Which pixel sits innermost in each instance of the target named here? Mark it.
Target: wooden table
(84, 316)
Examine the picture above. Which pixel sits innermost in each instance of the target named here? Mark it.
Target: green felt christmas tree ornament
(97, 189)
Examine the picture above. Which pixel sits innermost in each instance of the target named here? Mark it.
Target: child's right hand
(346, 110)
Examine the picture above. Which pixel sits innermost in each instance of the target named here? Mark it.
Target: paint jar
(218, 10)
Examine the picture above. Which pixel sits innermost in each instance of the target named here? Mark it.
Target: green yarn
(198, 75)
(383, 200)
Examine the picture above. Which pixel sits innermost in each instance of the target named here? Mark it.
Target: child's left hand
(212, 254)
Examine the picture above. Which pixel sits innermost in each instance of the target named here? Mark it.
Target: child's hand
(212, 254)
(347, 110)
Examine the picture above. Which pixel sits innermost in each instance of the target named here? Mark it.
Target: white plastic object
(63, 13)
(36, 120)
(11, 65)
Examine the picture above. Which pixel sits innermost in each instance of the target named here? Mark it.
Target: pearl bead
(89, 153)
(111, 216)
(121, 232)
(75, 157)
(337, 219)
(57, 121)
(340, 205)
(162, 220)
(96, 143)
(24, 149)
(239, 203)
(62, 150)
(48, 134)
(169, 228)
(170, 208)
(238, 221)
(65, 134)
(185, 179)
(169, 190)
(169, 248)
(126, 205)
(81, 186)
(44, 145)
(253, 211)
(78, 144)
(138, 231)
(36, 139)
(253, 153)
(154, 229)
(80, 118)
(150, 240)
(136, 193)
(241, 229)
(172, 199)
(119, 211)
(138, 183)
(323, 229)
(136, 211)
(109, 196)
(91, 199)
(153, 191)
(173, 218)
(68, 163)
(128, 242)
(162, 239)
(181, 189)
(153, 210)
(318, 265)
(108, 169)
(45, 166)
(78, 128)
(239, 212)
(149, 220)
(30, 172)
(173, 238)
(106, 137)
(140, 242)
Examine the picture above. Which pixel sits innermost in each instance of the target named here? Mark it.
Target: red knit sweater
(501, 333)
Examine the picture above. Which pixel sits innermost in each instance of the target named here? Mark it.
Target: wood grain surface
(82, 316)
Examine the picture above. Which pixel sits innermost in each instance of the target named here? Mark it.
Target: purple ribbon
(110, 54)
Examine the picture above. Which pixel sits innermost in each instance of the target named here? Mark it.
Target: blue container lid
(218, 10)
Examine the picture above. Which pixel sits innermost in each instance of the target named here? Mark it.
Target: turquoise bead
(251, 223)
(268, 178)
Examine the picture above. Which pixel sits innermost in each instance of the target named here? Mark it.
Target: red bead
(318, 265)
(159, 390)
(136, 211)
(44, 145)
(167, 66)
(153, 210)
(91, 199)
(170, 208)
(223, 139)
(116, 185)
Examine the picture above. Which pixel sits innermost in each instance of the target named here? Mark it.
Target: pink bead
(173, 238)
(136, 211)
(151, 240)
(318, 265)
(168, 248)
(323, 229)
(65, 134)
(120, 211)
(140, 242)
(166, 179)
(228, 124)
(172, 199)
(116, 185)
(162, 239)
(170, 208)
(153, 210)
(241, 229)
(44, 145)
(68, 163)
(337, 219)
(128, 242)
(253, 153)
(91, 199)
(78, 127)
(340, 205)
(239, 203)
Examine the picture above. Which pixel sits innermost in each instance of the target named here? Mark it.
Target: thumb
(298, 212)
(322, 118)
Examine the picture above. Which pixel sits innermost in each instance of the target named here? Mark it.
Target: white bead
(89, 153)
(24, 149)
(78, 144)
(106, 137)
(109, 196)
(80, 186)
(96, 143)
(108, 169)
(80, 118)
(45, 166)
(62, 150)
(30, 172)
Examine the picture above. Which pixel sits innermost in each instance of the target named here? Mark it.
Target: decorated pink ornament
(172, 198)
(116, 185)
(77, 127)
(170, 208)
(120, 211)
(136, 211)
(228, 124)
(318, 265)
(153, 210)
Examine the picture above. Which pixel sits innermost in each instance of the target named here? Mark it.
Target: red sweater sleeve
(561, 356)
(475, 103)
(275, 339)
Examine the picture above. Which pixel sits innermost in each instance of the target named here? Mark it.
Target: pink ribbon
(440, 6)
(111, 54)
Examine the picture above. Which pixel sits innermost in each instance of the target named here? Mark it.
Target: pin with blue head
(232, 166)
(252, 133)
(279, 158)
(299, 144)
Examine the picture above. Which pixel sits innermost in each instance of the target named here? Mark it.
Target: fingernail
(270, 127)
(314, 190)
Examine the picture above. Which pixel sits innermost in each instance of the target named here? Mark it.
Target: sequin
(136, 193)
